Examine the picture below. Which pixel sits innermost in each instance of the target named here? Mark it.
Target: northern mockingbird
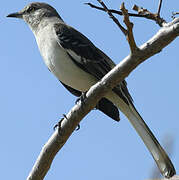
(78, 64)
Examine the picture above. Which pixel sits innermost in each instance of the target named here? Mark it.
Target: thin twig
(129, 25)
(153, 16)
(159, 7)
(114, 11)
(150, 16)
(127, 32)
(113, 18)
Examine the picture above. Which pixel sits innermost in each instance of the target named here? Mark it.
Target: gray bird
(79, 64)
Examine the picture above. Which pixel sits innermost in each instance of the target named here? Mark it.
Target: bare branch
(153, 16)
(164, 37)
(149, 15)
(113, 18)
(130, 37)
(128, 33)
(115, 11)
(159, 7)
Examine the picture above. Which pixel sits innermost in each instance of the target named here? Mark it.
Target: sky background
(32, 100)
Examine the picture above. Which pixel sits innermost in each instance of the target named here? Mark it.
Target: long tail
(162, 160)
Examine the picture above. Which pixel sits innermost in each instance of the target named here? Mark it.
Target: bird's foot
(81, 98)
(58, 125)
(78, 127)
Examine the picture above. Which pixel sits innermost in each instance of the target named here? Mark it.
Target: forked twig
(143, 13)
(113, 18)
(153, 16)
(114, 11)
(129, 25)
(127, 32)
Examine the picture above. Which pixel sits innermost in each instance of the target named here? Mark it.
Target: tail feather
(162, 160)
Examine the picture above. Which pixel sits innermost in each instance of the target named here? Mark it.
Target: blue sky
(32, 99)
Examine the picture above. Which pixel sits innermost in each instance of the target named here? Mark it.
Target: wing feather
(88, 57)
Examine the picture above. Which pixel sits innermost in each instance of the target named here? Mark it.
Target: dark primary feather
(88, 57)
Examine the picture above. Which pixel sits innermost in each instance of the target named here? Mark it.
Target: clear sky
(32, 100)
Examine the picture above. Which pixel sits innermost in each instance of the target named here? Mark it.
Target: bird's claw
(56, 125)
(78, 127)
(59, 123)
(81, 98)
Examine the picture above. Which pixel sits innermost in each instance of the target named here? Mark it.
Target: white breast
(59, 63)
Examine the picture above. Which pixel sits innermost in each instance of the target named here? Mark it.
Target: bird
(78, 64)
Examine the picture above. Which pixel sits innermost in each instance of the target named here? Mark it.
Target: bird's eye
(30, 9)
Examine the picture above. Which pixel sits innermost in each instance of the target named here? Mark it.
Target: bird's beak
(15, 15)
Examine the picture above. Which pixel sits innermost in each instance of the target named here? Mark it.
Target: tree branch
(113, 18)
(129, 25)
(143, 13)
(115, 11)
(159, 7)
(149, 15)
(127, 32)
(164, 37)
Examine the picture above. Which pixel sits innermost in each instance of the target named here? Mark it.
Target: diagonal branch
(113, 18)
(159, 7)
(164, 37)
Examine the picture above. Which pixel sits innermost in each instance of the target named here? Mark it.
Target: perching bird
(79, 64)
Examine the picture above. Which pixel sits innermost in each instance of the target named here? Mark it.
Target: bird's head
(34, 13)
